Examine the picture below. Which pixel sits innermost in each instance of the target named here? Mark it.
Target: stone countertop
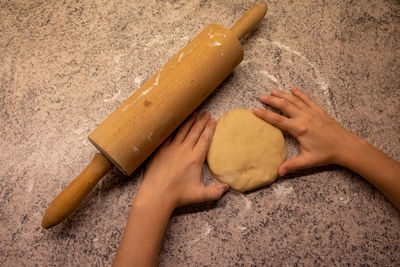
(64, 66)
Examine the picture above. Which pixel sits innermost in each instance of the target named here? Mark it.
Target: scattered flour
(117, 58)
(30, 185)
(215, 44)
(207, 230)
(114, 97)
(269, 76)
(138, 80)
(241, 228)
(79, 131)
(282, 191)
(247, 202)
(127, 106)
(156, 82)
(322, 83)
(146, 91)
(156, 40)
(220, 34)
(150, 137)
(180, 57)
(344, 200)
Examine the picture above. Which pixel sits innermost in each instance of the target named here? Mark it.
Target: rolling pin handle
(250, 19)
(69, 199)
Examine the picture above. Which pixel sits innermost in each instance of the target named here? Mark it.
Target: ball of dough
(246, 151)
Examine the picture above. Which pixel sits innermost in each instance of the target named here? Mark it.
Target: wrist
(151, 198)
(351, 148)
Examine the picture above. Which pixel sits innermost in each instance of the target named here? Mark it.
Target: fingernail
(205, 113)
(263, 96)
(223, 187)
(211, 124)
(257, 110)
(284, 171)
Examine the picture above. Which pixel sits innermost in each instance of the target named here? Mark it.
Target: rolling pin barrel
(137, 127)
(140, 124)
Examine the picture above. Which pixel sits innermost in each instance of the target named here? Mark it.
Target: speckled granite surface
(64, 66)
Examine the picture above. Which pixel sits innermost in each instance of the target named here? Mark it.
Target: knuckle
(263, 114)
(198, 131)
(283, 103)
(296, 101)
(203, 140)
(193, 159)
(308, 119)
(302, 130)
(181, 153)
(277, 118)
(207, 135)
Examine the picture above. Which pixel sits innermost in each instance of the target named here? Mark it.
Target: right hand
(322, 140)
(174, 173)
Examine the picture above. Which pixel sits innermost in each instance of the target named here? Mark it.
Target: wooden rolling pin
(140, 124)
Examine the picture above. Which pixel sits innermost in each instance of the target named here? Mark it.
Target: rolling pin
(141, 123)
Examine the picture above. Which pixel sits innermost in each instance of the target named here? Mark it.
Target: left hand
(174, 173)
(322, 140)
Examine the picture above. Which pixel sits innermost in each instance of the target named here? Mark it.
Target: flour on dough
(246, 151)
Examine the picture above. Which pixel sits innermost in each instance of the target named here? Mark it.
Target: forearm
(377, 168)
(144, 231)
(173, 178)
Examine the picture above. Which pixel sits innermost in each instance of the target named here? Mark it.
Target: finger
(275, 119)
(291, 165)
(280, 103)
(197, 129)
(291, 98)
(205, 139)
(213, 192)
(305, 98)
(161, 148)
(185, 128)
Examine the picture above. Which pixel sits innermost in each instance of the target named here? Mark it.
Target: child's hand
(174, 173)
(322, 140)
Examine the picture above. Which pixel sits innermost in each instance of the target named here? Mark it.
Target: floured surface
(246, 151)
(64, 66)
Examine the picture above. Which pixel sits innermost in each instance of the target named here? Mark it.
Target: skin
(173, 177)
(324, 141)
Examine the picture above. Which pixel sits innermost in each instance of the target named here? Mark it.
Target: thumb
(291, 165)
(214, 192)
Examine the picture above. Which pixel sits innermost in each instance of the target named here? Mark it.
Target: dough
(246, 151)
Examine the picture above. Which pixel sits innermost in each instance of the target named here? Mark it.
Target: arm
(172, 179)
(377, 168)
(324, 141)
